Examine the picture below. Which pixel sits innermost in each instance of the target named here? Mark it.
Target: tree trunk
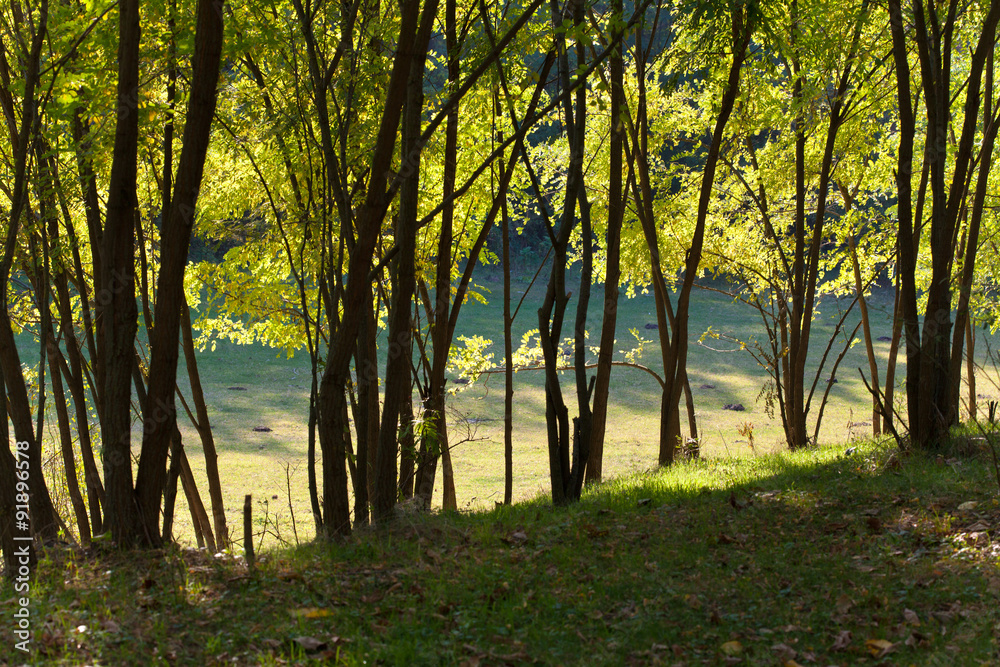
(508, 354)
(400, 351)
(616, 214)
(369, 221)
(934, 397)
(675, 373)
(116, 305)
(160, 419)
(204, 428)
(66, 442)
(867, 332)
(963, 320)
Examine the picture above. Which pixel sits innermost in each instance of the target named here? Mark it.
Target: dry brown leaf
(692, 601)
(911, 617)
(878, 647)
(310, 644)
(785, 652)
(843, 641)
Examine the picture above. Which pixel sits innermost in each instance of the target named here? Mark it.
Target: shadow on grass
(812, 557)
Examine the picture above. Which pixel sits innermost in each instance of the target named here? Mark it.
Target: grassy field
(249, 387)
(815, 558)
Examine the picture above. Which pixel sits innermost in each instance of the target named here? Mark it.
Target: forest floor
(820, 557)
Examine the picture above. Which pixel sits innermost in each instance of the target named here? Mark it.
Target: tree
(936, 31)
(160, 415)
(820, 83)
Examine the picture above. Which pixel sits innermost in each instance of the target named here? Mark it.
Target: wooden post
(248, 530)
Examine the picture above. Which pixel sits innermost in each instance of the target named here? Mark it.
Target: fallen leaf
(844, 603)
(842, 642)
(968, 506)
(310, 612)
(878, 647)
(911, 617)
(516, 538)
(310, 644)
(785, 652)
(732, 648)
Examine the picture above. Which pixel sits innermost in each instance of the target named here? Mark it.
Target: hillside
(820, 557)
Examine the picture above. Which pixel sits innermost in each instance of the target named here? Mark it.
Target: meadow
(254, 387)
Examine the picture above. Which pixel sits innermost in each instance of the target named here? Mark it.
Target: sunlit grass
(818, 556)
(275, 395)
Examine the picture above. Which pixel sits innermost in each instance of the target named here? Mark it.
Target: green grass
(815, 557)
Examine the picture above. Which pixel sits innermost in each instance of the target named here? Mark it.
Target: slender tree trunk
(204, 428)
(553, 309)
(616, 211)
(437, 435)
(199, 517)
(669, 432)
(73, 370)
(963, 319)
(398, 365)
(675, 373)
(24, 131)
(116, 301)
(936, 410)
(367, 420)
(159, 424)
(369, 221)
(867, 332)
(508, 355)
(970, 368)
(407, 449)
(66, 442)
(170, 502)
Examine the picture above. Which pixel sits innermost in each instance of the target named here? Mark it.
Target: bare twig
(884, 411)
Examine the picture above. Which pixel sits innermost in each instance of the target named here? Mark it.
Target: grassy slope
(814, 557)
